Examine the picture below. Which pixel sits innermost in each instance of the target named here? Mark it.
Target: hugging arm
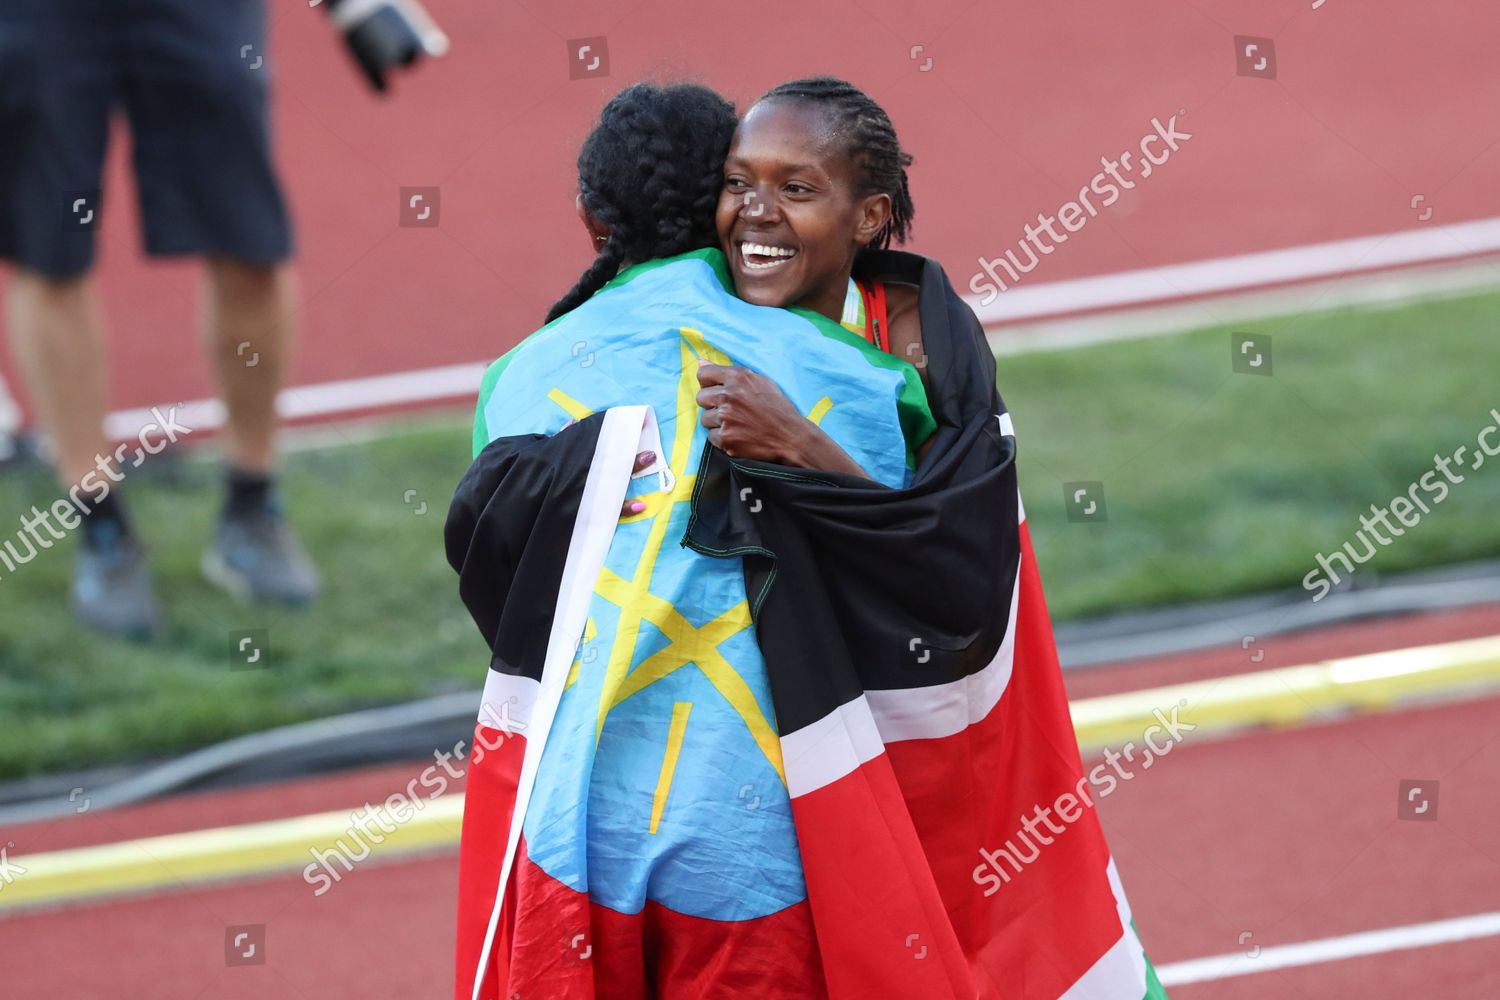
(502, 522)
(748, 416)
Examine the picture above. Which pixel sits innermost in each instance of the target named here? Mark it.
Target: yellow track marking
(1375, 682)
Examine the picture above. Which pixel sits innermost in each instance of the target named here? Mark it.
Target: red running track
(1373, 103)
(1288, 836)
(1285, 835)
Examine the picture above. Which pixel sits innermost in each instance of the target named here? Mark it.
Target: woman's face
(789, 217)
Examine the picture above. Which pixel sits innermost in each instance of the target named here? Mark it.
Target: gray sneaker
(257, 558)
(112, 589)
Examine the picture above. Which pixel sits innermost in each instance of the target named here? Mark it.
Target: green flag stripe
(1154, 988)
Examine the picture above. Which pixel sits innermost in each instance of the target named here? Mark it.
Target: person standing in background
(192, 81)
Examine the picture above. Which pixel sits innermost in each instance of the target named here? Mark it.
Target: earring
(601, 239)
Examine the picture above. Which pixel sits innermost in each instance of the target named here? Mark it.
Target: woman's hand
(643, 462)
(748, 416)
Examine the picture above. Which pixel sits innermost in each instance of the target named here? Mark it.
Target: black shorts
(191, 77)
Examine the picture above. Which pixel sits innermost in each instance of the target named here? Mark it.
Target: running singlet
(865, 314)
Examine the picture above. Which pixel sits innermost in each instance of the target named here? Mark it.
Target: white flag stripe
(834, 746)
(508, 696)
(926, 713)
(620, 439)
(1120, 973)
(825, 751)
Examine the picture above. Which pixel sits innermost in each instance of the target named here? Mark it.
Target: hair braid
(606, 265)
(871, 141)
(651, 170)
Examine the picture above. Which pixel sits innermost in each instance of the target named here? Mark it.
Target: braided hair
(651, 170)
(871, 142)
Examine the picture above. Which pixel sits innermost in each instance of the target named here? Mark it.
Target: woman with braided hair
(627, 826)
(649, 179)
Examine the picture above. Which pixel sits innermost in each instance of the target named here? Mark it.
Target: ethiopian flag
(764, 737)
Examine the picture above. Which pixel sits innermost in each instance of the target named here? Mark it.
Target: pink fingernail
(636, 506)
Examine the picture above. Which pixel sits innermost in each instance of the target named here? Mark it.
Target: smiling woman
(918, 718)
(814, 175)
(814, 178)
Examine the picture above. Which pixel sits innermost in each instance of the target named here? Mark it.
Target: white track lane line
(1227, 274)
(1239, 963)
(428, 385)
(1108, 291)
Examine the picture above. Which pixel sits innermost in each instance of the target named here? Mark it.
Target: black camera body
(384, 34)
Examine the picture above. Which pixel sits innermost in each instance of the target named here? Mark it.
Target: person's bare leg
(57, 337)
(249, 335)
(56, 334)
(249, 329)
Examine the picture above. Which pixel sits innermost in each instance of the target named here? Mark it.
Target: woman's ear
(598, 231)
(874, 213)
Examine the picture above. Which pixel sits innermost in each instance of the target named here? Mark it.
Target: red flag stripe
(858, 731)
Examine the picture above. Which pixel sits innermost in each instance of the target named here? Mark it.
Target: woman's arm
(748, 416)
(817, 450)
(905, 327)
(905, 332)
